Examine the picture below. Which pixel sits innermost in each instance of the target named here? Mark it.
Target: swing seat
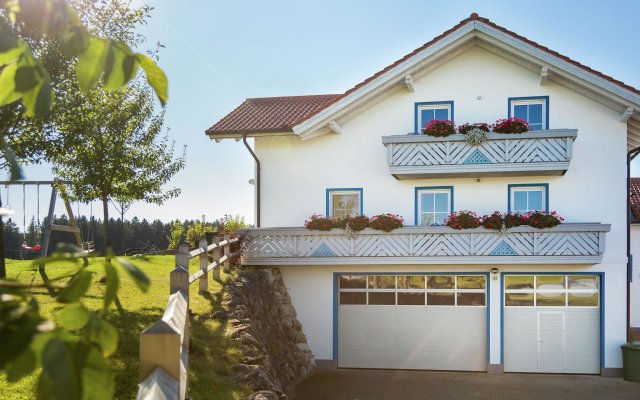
(24, 247)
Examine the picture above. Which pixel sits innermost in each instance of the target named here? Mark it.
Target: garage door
(552, 323)
(412, 322)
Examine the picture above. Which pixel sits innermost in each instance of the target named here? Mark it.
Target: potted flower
(386, 222)
(466, 128)
(463, 220)
(511, 125)
(439, 128)
(319, 223)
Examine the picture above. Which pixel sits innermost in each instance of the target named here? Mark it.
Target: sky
(218, 53)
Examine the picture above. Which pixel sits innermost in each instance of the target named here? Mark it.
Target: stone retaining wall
(262, 319)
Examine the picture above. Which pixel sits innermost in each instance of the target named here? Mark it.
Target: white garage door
(552, 323)
(412, 322)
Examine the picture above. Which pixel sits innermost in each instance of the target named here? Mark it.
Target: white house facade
(427, 296)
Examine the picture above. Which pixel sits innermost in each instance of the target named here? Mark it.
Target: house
(428, 296)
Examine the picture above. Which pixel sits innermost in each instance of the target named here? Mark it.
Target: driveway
(358, 384)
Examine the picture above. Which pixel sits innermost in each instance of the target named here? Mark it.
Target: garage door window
(551, 291)
(401, 290)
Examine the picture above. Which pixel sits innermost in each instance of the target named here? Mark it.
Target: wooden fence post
(179, 278)
(216, 259)
(204, 263)
(227, 252)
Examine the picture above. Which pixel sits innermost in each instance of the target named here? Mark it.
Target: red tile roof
(635, 200)
(288, 113)
(270, 114)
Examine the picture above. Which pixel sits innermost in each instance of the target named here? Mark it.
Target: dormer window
(430, 110)
(534, 110)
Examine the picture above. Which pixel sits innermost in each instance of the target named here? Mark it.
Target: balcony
(541, 153)
(571, 243)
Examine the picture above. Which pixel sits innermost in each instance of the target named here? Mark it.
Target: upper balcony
(570, 243)
(546, 152)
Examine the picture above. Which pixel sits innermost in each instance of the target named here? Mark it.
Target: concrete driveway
(358, 384)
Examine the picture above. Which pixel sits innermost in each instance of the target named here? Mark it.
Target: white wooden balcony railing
(546, 152)
(571, 243)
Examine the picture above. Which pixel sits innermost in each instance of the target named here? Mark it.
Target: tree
(175, 236)
(109, 146)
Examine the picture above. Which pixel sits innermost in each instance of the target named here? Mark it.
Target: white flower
(476, 137)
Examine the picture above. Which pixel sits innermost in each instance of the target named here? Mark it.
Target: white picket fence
(547, 152)
(572, 243)
(164, 346)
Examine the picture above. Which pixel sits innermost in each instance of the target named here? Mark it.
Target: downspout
(244, 140)
(630, 156)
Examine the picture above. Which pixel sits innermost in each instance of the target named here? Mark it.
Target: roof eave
(237, 135)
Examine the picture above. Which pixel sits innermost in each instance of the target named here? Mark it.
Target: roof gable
(311, 116)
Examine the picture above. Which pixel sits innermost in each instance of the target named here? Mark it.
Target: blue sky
(220, 52)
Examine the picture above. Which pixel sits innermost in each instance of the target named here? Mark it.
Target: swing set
(87, 246)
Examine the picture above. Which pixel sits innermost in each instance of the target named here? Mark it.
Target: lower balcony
(570, 243)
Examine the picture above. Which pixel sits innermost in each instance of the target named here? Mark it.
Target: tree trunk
(107, 235)
(3, 270)
(122, 249)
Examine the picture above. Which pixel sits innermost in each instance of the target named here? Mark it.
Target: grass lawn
(211, 353)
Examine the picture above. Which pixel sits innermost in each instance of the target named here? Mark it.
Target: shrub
(541, 220)
(386, 222)
(319, 223)
(511, 125)
(356, 224)
(463, 220)
(466, 128)
(512, 220)
(493, 221)
(439, 128)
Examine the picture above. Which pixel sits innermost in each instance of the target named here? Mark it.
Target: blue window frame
(528, 197)
(534, 110)
(433, 204)
(427, 111)
(342, 202)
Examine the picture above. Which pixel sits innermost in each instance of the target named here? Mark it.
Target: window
(344, 202)
(551, 290)
(413, 290)
(433, 205)
(525, 198)
(534, 110)
(428, 111)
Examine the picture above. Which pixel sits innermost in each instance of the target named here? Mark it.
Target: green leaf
(107, 338)
(75, 40)
(98, 381)
(59, 367)
(136, 273)
(15, 172)
(113, 282)
(22, 366)
(155, 76)
(120, 66)
(90, 64)
(102, 333)
(8, 93)
(38, 101)
(26, 78)
(12, 55)
(73, 316)
(78, 286)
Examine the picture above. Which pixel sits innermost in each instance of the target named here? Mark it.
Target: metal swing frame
(50, 227)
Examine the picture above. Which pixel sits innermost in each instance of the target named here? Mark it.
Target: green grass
(211, 352)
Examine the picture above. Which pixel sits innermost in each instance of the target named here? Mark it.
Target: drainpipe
(630, 156)
(244, 140)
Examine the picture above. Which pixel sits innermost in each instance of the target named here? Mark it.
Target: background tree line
(133, 235)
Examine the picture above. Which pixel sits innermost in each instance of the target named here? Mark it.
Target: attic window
(428, 111)
(534, 110)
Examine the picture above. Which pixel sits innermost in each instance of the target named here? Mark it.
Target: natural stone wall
(262, 319)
